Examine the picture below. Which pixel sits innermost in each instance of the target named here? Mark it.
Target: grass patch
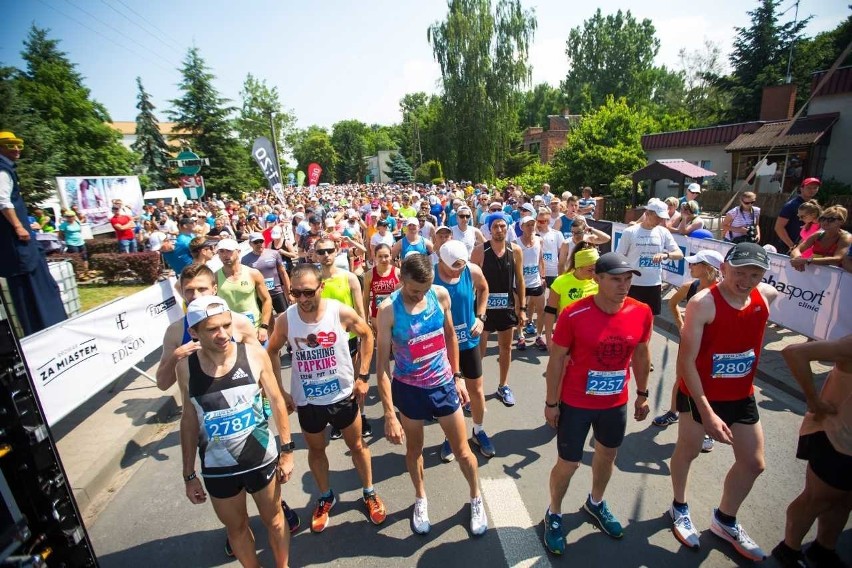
(93, 295)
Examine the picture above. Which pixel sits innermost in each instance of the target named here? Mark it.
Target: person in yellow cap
(571, 286)
(33, 290)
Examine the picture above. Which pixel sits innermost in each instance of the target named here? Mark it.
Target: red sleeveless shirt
(730, 348)
(380, 288)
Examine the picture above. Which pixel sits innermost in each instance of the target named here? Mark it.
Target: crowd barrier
(809, 302)
(73, 360)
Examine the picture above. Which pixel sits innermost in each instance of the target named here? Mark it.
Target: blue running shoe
(506, 395)
(554, 540)
(604, 518)
(481, 440)
(447, 452)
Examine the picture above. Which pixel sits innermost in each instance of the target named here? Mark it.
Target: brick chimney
(778, 102)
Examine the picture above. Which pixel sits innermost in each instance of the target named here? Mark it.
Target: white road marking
(521, 545)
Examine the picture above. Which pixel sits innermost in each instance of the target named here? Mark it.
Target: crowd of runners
(413, 281)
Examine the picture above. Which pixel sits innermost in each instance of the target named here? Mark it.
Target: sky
(330, 59)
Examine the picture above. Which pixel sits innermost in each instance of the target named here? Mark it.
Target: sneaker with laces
(375, 508)
(366, 429)
(666, 419)
(604, 518)
(707, 444)
(319, 521)
(229, 551)
(682, 526)
(336, 434)
(554, 540)
(478, 520)
(420, 518)
(789, 558)
(447, 454)
(529, 329)
(481, 440)
(292, 517)
(737, 536)
(540, 344)
(521, 345)
(506, 395)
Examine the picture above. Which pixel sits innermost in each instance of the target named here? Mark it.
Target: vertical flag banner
(314, 173)
(264, 155)
(300, 178)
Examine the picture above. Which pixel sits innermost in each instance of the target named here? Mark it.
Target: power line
(91, 29)
(113, 28)
(151, 24)
(139, 25)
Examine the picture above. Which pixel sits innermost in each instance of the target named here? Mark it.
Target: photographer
(741, 223)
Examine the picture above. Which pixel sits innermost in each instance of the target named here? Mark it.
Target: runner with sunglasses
(465, 231)
(323, 381)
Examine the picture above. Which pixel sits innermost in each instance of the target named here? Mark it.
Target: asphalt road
(151, 523)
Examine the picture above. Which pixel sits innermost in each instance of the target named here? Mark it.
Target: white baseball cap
(453, 251)
(203, 307)
(694, 188)
(228, 244)
(659, 207)
(710, 257)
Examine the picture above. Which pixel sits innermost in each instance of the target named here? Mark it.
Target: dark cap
(187, 221)
(748, 254)
(614, 263)
(382, 223)
(315, 220)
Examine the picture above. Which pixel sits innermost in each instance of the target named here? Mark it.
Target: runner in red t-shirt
(719, 350)
(604, 335)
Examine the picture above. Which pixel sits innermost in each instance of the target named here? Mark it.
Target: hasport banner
(71, 361)
(809, 302)
(94, 195)
(264, 154)
(314, 173)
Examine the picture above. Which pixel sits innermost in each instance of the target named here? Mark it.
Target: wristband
(364, 377)
(264, 326)
(288, 447)
(190, 477)
(548, 405)
(550, 310)
(458, 376)
(644, 393)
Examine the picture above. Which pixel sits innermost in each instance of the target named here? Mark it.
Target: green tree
(759, 58)
(261, 109)
(203, 118)
(43, 155)
(54, 92)
(533, 177)
(536, 105)
(484, 61)
(381, 137)
(612, 56)
(400, 171)
(349, 138)
(150, 144)
(429, 171)
(314, 145)
(601, 146)
(701, 68)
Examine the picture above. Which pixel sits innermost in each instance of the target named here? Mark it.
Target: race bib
(228, 423)
(605, 383)
(498, 301)
(530, 270)
(647, 261)
(270, 283)
(425, 346)
(461, 332)
(733, 365)
(548, 256)
(321, 388)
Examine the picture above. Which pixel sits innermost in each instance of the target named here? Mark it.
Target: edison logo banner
(808, 302)
(73, 360)
(314, 173)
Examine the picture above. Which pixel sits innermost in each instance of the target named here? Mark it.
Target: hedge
(102, 246)
(143, 265)
(76, 259)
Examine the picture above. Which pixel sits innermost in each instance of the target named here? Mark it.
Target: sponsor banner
(264, 155)
(808, 302)
(73, 360)
(314, 173)
(94, 196)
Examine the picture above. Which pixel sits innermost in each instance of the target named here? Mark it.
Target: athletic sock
(369, 491)
(327, 496)
(679, 506)
(593, 502)
(477, 428)
(726, 519)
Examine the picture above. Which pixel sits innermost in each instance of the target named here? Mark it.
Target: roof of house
(805, 131)
(673, 169)
(710, 136)
(839, 82)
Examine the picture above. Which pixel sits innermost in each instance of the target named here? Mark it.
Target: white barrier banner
(73, 360)
(809, 302)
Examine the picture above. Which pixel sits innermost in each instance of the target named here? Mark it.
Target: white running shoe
(707, 444)
(420, 518)
(478, 520)
(737, 536)
(683, 528)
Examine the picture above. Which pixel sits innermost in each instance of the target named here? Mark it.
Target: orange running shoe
(375, 508)
(319, 521)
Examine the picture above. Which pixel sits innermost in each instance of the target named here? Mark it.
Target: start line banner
(808, 303)
(72, 360)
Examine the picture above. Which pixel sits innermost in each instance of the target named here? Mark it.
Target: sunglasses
(747, 202)
(463, 216)
(323, 252)
(305, 293)
(829, 219)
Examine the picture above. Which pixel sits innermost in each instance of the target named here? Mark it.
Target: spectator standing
(123, 226)
(788, 225)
